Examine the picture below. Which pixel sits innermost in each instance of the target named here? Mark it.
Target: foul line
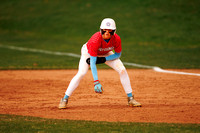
(40, 51)
(155, 68)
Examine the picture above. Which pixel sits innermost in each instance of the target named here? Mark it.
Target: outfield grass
(15, 124)
(153, 32)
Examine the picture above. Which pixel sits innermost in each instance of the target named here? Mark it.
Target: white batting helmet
(108, 23)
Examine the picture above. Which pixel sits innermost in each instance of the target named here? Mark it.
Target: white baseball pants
(116, 64)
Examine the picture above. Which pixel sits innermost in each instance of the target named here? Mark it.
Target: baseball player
(99, 49)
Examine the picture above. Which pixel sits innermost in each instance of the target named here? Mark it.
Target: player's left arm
(117, 49)
(99, 60)
(113, 56)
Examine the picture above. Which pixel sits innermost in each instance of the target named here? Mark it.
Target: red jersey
(96, 45)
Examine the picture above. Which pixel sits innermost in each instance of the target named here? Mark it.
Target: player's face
(106, 34)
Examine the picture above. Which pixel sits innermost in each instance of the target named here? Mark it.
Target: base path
(169, 98)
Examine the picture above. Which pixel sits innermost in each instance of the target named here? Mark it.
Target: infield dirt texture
(169, 98)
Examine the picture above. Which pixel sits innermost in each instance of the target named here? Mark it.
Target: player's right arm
(97, 86)
(93, 66)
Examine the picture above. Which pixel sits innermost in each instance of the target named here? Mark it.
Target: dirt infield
(165, 97)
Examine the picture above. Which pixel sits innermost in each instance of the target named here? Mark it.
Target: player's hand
(97, 87)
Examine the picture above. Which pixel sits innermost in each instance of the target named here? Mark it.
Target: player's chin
(107, 37)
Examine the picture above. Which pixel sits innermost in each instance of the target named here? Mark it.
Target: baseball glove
(100, 60)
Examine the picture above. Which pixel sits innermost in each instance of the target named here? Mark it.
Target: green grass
(35, 61)
(154, 32)
(15, 124)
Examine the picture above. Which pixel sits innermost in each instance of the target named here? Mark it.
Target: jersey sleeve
(93, 44)
(118, 45)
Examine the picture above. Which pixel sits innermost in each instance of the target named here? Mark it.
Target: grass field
(154, 32)
(12, 123)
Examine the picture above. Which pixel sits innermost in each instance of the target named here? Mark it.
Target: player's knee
(82, 73)
(122, 70)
